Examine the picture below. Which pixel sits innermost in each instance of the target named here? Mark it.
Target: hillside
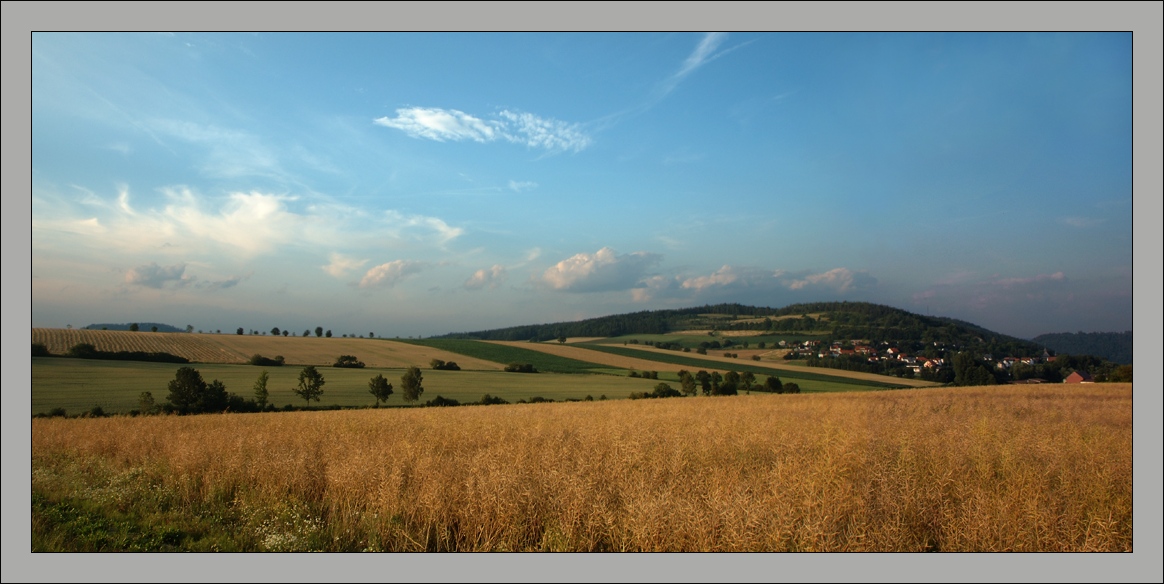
(1115, 347)
(827, 320)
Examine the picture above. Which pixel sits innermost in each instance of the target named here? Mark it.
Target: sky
(419, 184)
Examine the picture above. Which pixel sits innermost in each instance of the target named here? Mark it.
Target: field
(513, 353)
(1011, 468)
(777, 367)
(217, 348)
(77, 385)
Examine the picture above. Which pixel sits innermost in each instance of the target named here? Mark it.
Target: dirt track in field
(227, 348)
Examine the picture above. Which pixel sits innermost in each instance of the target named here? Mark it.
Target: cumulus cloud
(341, 264)
(601, 271)
(721, 277)
(511, 126)
(839, 279)
(152, 275)
(491, 277)
(389, 274)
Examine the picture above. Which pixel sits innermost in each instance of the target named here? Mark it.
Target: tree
(562, 339)
(328, 333)
(189, 328)
(133, 327)
(310, 384)
(348, 361)
(748, 379)
(319, 331)
(190, 394)
(275, 331)
(261, 393)
(380, 389)
(146, 404)
(773, 384)
(688, 382)
(153, 329)
(239, 331)
(410, 384)
(704, 381)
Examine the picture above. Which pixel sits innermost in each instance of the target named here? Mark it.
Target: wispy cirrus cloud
(602, 271)
(388, 274)
(516, 127)
(523, 185)
(491, 277)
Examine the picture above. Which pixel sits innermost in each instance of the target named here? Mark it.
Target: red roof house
(1079, 377)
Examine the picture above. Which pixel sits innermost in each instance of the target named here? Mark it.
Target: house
(1079, 377)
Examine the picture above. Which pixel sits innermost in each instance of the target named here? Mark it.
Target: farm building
(1079, 377)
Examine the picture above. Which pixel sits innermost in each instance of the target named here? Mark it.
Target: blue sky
(418, 184)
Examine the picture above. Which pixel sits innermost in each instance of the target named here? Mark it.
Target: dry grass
(231, 348)
(972, 469)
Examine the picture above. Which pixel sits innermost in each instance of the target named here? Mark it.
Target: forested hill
(831, 320)
(1115, 347)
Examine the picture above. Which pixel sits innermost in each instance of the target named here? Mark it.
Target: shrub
(349, 361)
(441, 402)
(490, 400)
(39, 350)
(520, 368)
(262, 361)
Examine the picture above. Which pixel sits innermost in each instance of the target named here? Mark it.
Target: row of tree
(189, 393)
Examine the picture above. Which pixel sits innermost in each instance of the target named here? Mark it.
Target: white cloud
(491, 277)
(512, 126)
(602, 271)
(389, 274)
(341, 264)
(152, 275)
(839, 279)
(519, 186)
(721, 277)
(439, 124)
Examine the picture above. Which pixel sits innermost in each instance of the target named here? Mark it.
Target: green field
(506, 354)
(806, 381)
(77, 385)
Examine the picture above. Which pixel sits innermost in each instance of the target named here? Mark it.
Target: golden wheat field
(229, 348)
(1030, 468)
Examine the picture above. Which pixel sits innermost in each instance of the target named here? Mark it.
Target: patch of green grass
(505, 354)
(77, 525)
(76, 385)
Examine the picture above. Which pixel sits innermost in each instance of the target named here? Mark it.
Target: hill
(1115, 347)
(829, 320)
(145, 326)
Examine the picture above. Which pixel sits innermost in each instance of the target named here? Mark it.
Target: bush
(349, 361)
(441, 402)
(260, 360)
(490, 400)
(39, 350)
(57, 413)
(520, 368)
(443, 366)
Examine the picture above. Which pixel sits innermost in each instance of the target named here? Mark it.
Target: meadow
(1009, 468)
(78, 385)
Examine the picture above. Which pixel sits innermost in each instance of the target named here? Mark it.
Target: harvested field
(226, 348)
(584, 354)
(745, 359)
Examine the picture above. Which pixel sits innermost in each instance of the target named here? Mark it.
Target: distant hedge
(88, 351)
